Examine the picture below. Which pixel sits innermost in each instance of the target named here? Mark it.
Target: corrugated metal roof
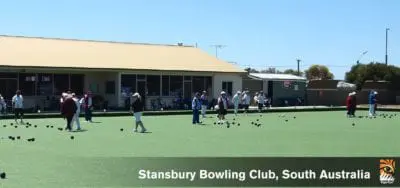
(16, 51)
(266, 76)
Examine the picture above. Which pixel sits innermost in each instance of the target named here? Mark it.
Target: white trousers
(75, 119)
(138, 116)
(203, 110)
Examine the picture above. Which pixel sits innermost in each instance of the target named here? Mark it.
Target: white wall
(219, 78)
(100, 79)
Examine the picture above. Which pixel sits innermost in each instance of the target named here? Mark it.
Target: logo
(387, 169)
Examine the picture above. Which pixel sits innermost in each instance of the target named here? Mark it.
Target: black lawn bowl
(121, 130)
(16, 126)
(4, 125)
(286, 120)
(10, 137)
(11, 124)
(258, 125)
(215, 123)
(35, 126)
(252, 123)
(233, 119)
(27, 126)
(238, 124)
(353, 124)
(72, 137)
(47, 126)
(228, 126)
(18, 137)
(3, 175)
(52, 126)
(32, 139)
(257, 120)
(29, 139)
(60, 129)
(233, 123)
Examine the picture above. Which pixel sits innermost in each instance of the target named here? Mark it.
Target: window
(227, 87)
(141, 77)
(198, 84)
(27, 84)
(77, 83)
(153, 85)
(165, 85)
(208, 83)
(176, 85)
(110, 87)
(8, 88)
(8, 75)
(45, 85)
(61, 83)
(188, 90)
(128, 84)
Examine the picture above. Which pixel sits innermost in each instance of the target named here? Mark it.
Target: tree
(271, 71)
(374, 71)
(250, 70)
(318, 72)
(292, 72)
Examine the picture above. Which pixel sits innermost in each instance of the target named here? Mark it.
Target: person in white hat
(348, 104)
(222, 107)
(353, 104)
(236, 101)
(246, 101)
(77, 113)
(137, 108)
(204, 103)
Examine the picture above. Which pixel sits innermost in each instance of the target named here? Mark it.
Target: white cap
(136, 94)
(376, 93)
(354, 93)
(64, 94)
(238, 92)
(350, 94)
(223, 93)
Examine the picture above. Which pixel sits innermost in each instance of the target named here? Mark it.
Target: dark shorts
(18, 112)
(260, 106)
(222, 112)
(245, 106)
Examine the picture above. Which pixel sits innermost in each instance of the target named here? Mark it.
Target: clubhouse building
(166, 75)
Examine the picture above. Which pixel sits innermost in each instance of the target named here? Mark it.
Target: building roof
(17, 51)
(267, 76)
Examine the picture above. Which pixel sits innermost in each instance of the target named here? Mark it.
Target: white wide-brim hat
(376, 93)
(223, 93)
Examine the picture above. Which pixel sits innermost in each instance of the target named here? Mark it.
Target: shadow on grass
(79, 131)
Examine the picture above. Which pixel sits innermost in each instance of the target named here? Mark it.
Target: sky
(258, 34)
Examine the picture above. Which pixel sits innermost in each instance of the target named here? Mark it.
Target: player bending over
(137, 109)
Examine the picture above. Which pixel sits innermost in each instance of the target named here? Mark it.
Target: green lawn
(33, 164)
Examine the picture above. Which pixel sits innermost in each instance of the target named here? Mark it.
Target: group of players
(239, 100)
(351, 103)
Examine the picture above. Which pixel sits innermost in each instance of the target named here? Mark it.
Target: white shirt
(261, 99)
(18, 101)
(89, 101)
(246, 99)
(236, 99)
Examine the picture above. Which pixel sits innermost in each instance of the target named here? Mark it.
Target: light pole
(386, 54)
(298, 67)
(362, 55)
